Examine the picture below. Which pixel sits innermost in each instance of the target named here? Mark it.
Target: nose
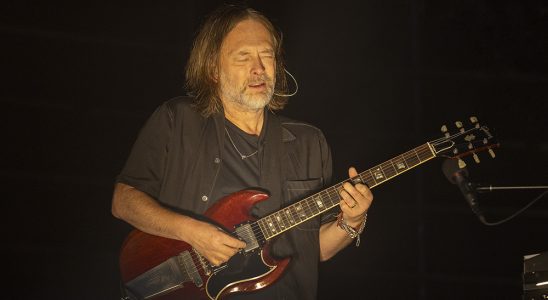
(257, 67)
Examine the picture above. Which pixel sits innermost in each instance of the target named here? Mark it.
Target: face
(247, 66)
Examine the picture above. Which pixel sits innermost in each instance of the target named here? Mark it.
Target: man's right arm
(146, 214)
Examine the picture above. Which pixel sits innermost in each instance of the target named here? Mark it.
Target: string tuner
(444, 129)
(462, 164)
(476, 158)
(459, 126)
(474, 120)
(492, 153)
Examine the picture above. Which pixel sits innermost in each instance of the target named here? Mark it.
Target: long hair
(205, 53)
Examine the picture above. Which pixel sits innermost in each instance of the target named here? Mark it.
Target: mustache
(259, 80)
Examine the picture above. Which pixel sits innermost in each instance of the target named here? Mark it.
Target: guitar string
(417, 153)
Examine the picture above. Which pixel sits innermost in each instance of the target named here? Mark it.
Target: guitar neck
(303, 210)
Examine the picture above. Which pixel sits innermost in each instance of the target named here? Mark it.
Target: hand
(355, 201)
(212, 243)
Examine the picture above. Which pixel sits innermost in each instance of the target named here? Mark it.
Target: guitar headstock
(465, 141)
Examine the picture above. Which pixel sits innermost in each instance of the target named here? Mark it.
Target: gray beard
(251, 102)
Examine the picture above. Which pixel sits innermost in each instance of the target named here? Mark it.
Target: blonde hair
(205, 53)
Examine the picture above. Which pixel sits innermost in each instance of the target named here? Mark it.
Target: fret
(411, 159)
(287, 212)
(426, 153)
(308, 206)
(394, 170)
(401, 165)
(416, 154)
(264, 229)
(333, 195)
(279, 218)
(300, 211)
(366, 179)
(378, 174)
(319, 202)
(374, 183)
(313, 206)
(391, 169)
(272, 226)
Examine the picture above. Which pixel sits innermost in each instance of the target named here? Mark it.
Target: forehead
(247, 33)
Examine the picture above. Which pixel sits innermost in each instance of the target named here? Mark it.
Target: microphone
(459, 176)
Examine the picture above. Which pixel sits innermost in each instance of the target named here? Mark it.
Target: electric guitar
(154, 267)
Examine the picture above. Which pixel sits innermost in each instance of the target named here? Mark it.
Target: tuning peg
(459, 126)
(470, 146)
(476, 158)
(473, 119)
(444, 130)
(492, 153)
(462, 164)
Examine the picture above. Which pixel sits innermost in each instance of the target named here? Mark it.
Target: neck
(250, 121)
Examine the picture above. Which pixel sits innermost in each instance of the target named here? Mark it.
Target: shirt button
(217, 160)
(204, 198)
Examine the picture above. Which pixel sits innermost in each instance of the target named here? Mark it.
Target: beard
(242, 96)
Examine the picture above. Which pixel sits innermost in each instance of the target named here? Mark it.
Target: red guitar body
(161, 268)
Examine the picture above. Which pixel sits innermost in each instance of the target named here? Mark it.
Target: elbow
(326, 254)
(117, 208)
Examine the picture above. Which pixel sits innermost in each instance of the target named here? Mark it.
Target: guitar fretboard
(303, 210)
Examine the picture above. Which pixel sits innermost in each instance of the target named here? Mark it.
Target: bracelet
(351, 231)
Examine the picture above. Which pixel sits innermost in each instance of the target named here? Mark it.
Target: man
(225, 138)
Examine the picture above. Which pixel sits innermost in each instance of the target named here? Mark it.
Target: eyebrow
(246, 52)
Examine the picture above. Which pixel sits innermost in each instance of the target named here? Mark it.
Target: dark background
(378, 77)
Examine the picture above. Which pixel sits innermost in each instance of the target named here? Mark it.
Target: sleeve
(327, 173)
(145, 166)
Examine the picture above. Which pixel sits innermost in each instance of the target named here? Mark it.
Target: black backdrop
(378, 77)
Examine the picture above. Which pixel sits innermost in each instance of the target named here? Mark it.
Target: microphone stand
(491, 188)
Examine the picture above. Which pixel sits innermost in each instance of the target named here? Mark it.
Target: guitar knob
(492, 153)
(462, 164)
(476, 158)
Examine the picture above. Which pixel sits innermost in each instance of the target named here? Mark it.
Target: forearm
(146, 214)
(333, 239)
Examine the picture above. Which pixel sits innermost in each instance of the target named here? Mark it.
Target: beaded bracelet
(351, 231)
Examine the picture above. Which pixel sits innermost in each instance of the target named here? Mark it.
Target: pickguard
(240, 268)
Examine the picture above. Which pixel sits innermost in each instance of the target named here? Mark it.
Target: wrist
(354, 222)
(351, 229)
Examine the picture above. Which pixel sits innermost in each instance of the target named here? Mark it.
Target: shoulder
(181, 108)
(180, 103)
(295, 129)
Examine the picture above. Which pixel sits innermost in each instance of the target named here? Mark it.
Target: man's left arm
(355, 201)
